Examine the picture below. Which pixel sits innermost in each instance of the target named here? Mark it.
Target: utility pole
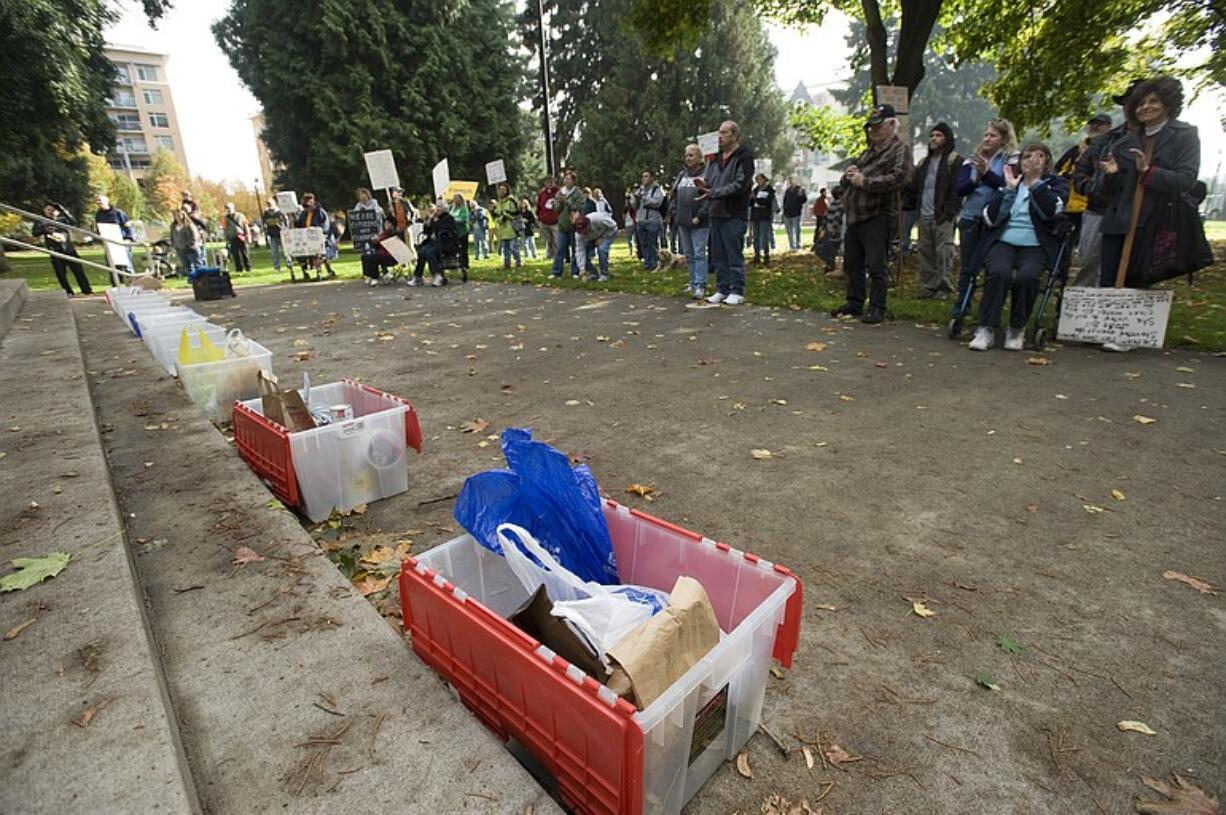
(550, 162)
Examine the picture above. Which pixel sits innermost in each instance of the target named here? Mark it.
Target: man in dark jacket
(794, 198)
(726, 185)
(109, 214)
(58, 240)
(870, 186)
(939, 206)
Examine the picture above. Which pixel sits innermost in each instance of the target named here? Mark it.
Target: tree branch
(875, 33)
(918, 18)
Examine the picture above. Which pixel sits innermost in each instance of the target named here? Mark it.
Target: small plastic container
(607, 757)
(163, 341)
(149, 323)
(216, 386)
(140, 312)
(124, 301)
(339, 465)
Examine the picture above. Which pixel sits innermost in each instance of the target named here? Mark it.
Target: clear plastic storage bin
(216, 386)
(163, 341)
(607, 757)
(339, 465)
(151, 323)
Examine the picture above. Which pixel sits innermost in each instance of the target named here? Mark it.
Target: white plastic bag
(237, 345)
(600, 615)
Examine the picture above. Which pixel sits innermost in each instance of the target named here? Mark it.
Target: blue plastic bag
(541, 492)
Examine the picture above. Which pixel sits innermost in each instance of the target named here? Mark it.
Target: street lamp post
(550, 162)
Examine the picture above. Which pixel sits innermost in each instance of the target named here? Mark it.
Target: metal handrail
(66, 227)
(72, 258)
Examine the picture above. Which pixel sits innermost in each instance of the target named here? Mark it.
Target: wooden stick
(1138, 196)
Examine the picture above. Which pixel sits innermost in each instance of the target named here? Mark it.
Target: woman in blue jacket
(980, 177)
(1023, 238)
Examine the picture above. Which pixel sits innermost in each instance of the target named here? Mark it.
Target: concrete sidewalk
(293, 694)
(84, 722)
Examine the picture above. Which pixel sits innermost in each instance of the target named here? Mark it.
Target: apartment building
(143, 110)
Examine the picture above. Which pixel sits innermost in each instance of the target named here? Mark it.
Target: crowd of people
(1114, 205)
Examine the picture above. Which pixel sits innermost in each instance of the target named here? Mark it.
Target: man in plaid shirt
(870, 188)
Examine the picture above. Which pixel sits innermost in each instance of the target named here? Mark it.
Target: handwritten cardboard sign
(496, 172)
(708, 143)
(442, 177)
(287, 202)
(381, 167)
(1134, 317)
(307, 242)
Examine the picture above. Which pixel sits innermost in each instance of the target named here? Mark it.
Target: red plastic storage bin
(265, 445)
(607, 757)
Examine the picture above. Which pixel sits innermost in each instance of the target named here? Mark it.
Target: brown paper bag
(286, 408)
(535, 618)
(657, 652)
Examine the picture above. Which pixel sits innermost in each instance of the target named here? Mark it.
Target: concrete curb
(13, 295)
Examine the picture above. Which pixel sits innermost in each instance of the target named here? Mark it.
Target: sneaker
(604, 278)
(874, 317)
(438, 281)
(555, 276)
(847, 309)
(1015, 339)
(1116, 348)
(717, 298)
(734, 300)
(416, 281)
(984, 339)
(700, 293)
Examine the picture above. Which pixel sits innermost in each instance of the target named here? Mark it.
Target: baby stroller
(161, 260)
(448, 237)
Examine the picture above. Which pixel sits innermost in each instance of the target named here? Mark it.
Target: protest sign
(364, 226)
(442, 177)
(894, 95)
(381, 167)
(763, 166)
(298, 243)
(116, 255)
(287, 202)
(399, 250)
(468, 189)
(496, 172)
(1133, 317)
(708, 143)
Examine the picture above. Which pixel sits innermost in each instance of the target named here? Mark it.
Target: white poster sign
(399, 250)
(1134, 317)
(708, 143)
(381, 167)
(763, 166)
(442, 177)
(287, 202)
(495, 172)
(115, 255)
(895, 95)
(299, 243)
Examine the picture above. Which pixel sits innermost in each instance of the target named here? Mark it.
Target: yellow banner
(468, 189)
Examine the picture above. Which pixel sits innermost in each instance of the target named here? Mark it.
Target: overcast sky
(215, 109)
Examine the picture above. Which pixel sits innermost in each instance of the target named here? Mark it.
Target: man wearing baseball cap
(1079, 204)
(870, 188)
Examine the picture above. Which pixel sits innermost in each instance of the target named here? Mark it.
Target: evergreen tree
(427, 80)
(621, 109)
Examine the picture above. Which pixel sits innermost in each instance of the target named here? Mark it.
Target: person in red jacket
(546, 215)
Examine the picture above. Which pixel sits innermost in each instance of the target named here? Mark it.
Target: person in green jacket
(568, 203)
(507, 225)
(459, 211)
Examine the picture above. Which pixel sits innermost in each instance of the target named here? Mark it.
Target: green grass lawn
(1198, 316)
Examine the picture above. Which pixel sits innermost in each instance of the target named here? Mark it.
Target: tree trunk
(918, 18)
(877, 45)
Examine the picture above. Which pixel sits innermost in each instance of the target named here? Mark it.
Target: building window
(126, 121)
(123, 77)
(146, 73)
(123, 99)
(153, 98)
(159, 120)
(165, 142)
(136, 145)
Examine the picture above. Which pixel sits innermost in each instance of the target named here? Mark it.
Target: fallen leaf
(383, 554)
(1117, 495)
(304, 356)
(761, 454)
(33, 570)
(641, 490)
(1009, 645)
(1092, 509)
(779, 401)
(16, 630)
(776, 672)
(742, 764)
(825, 607)
(818, 368)
(360, 509)
(847, 397)
(1139, 419)
(477, 425)
(369, 584)
(571, 402)
(1017, 461)
(985, 681)
(1184, 369)
(301, 343)
(89, 713)
(1203, 586)
(1032, 507)
(808, 757)
(816, 346)
(1188, 385)
(244, 555)
(776, 804)
(837, 756)
(921, 609)
(1038, 361)
(1184, 798)
(274, 504)
(1136, 727)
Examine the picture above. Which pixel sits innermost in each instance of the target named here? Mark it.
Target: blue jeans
(529, 245)
(480, 248)
(189, 259)
(693, 241)
(649, 240)
(602, 252)
(792, 225)
(274, 247)
(630, 240)
(673, 237)
(728, 254)
(762, 234)
(509, 248)
(563, 246)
